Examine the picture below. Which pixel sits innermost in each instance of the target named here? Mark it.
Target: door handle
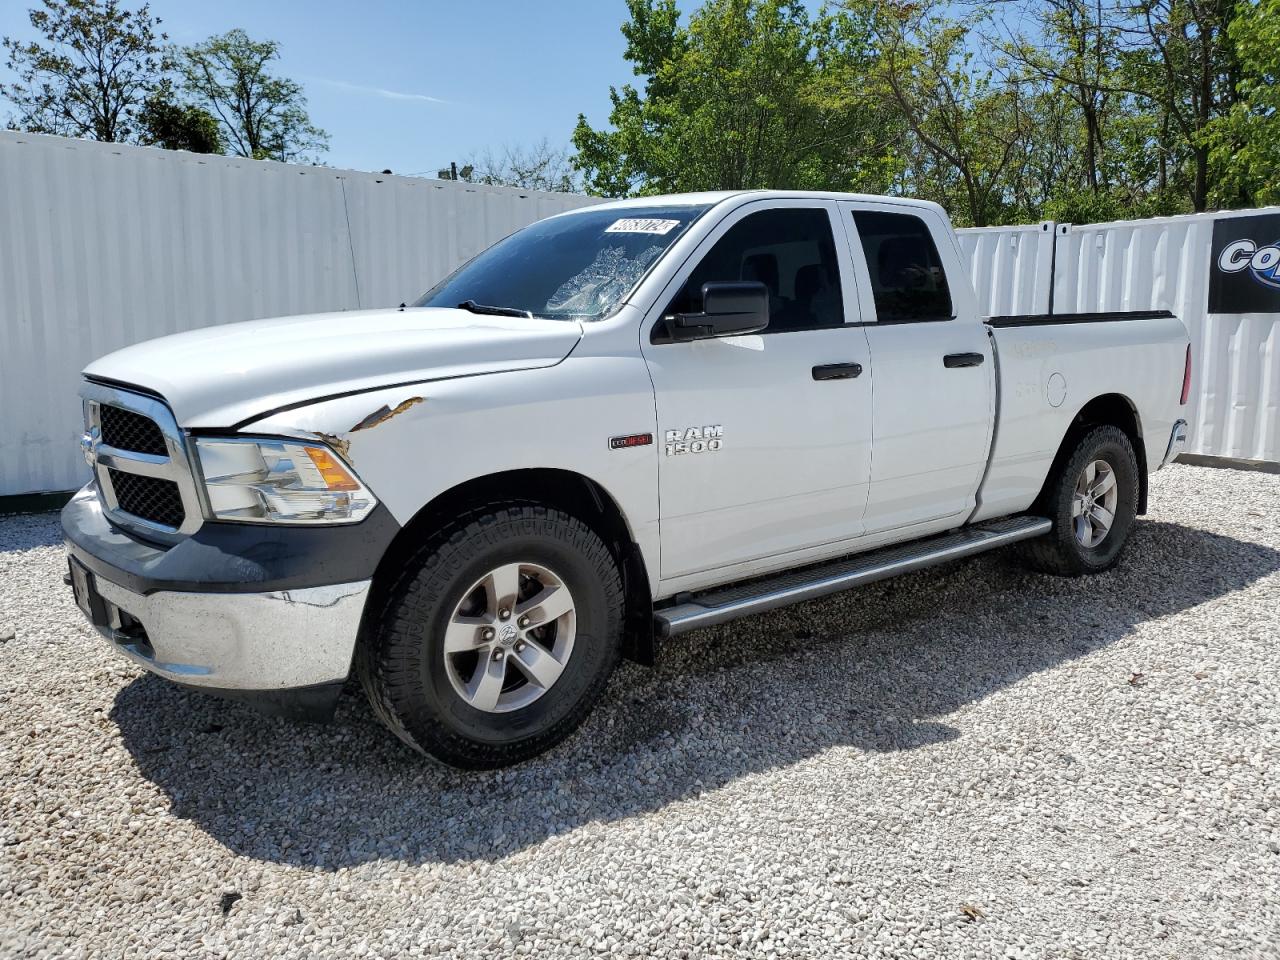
(952, 360)
(837, 371)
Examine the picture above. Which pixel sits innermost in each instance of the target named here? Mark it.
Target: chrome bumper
(238, 641)
(268, 616)
(1177, 442)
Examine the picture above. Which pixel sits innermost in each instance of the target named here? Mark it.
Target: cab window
(907, 278)
(790, 251)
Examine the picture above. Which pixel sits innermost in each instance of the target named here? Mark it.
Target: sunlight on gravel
(966, 762)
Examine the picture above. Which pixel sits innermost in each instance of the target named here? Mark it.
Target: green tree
(1179, 58)
(740, 98)
(969, 128)
(166, 122)
(92, 74)
(1244, 144)
(1073, 51)
(1048, 159)
(262, 115)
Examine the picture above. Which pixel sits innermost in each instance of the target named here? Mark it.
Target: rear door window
(907, 278)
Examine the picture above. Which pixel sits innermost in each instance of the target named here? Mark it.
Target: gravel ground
(967, 762)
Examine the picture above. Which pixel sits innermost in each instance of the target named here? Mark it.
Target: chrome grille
(126, 430)
(139, 460)
(153, 499)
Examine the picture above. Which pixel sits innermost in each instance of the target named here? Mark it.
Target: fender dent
(341, 445)
(385, 413)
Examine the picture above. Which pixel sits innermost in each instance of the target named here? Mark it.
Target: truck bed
(1048, 366)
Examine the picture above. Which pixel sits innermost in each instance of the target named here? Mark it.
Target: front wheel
(498, 636)
(1092, 501)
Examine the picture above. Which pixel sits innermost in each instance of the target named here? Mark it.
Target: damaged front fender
(385, 413)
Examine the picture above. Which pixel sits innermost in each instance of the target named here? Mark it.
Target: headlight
(280, 481)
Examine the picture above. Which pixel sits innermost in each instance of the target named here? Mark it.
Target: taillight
(1186, 378)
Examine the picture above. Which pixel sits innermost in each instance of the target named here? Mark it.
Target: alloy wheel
(1093, 505)
(509, 637)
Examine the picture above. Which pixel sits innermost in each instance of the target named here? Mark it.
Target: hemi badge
(634, 440)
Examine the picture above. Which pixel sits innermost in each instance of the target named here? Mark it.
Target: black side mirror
(728, 309)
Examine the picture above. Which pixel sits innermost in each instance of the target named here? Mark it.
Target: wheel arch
(1108, 409)
(575, 494)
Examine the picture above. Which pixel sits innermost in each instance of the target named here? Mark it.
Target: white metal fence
(1011, 267)
(105, 245)
(1159, 264)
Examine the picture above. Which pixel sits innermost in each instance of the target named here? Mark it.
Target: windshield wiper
(494, 311)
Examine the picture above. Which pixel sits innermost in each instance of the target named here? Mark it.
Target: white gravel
(967, 762)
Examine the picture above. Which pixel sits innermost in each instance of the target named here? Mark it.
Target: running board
(722, 604)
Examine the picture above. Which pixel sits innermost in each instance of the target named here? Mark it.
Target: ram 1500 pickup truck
(616, 425)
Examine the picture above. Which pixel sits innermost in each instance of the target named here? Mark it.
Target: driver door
(765, 439)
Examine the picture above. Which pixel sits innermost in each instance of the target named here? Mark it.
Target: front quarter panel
(413, 443)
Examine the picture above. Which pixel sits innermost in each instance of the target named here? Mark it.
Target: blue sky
(411, 85)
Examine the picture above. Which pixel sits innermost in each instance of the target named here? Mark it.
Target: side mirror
(728, 309)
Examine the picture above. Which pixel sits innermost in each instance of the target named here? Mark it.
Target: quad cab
(616, 425)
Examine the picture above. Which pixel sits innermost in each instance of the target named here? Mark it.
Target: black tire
(1059, 551)
(401, 663)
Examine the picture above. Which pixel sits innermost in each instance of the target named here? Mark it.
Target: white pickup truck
(615, 425)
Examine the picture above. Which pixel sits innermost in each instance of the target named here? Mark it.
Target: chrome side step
(756, 596)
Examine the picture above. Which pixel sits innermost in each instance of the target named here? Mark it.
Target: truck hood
(227, 375)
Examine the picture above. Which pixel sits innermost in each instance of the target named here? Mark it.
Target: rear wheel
(1092, 500)
(498, 636)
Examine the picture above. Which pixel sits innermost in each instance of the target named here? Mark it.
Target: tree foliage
(92, 74)
(1244, 143)
(262, 115)
(1002, 110)
(165, 121)
(537, 167)
(741, 97)
(971, 130)
(1177, 59)
(1066, 48)
(106, 72)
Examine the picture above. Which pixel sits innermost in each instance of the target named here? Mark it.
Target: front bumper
(239, 611)
(237, 641)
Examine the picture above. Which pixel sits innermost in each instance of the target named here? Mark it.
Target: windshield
(575, 266)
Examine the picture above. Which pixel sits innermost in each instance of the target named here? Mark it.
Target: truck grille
(140, 463)
(150, 498)
(126, 430)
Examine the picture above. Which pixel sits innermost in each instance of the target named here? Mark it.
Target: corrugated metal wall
(1011, 267)
(105, 245)
(1163, 264)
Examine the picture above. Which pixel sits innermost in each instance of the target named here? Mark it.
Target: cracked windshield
(577, 266)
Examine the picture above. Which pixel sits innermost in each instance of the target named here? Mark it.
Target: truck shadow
(877, 669)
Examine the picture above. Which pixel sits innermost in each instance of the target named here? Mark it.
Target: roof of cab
(713, 197)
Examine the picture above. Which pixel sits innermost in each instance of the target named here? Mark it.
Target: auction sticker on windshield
(642, 225)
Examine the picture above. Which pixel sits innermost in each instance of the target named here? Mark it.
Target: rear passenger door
(933, 408)
(766, 438)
